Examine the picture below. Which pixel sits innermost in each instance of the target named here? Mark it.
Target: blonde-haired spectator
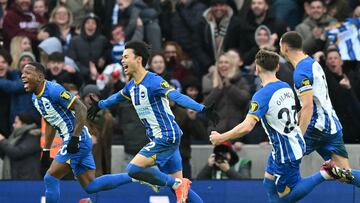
(18, 45)
(79, 9)
(228, 89)
(63, 18)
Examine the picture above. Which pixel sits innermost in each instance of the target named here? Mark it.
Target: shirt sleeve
(303, 82)
(161, 87)
(258, 106)
(116, 98)
(62, 96)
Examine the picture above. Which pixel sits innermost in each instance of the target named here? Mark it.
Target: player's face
(283, 48)
(129, 61)
(30, 78)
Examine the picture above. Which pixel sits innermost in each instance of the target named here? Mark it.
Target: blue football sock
(52, 188)
(107, 182)
(193, 197)
(271, 190)
(304, 187)
(356, 180)
(150, 175)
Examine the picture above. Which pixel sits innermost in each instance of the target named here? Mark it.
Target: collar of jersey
(138, 82)
(42, 90)
(302, 59)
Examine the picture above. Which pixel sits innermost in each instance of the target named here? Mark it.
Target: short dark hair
(38, 67)
(292, 39)
(332, 50)
(268, 60)
(6, 55)
(56, 57)
(140, 49)
(322, 2)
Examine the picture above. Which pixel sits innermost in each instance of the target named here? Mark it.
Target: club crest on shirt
(254, 106)
(305, 82)
(164, 84)
(65, 95)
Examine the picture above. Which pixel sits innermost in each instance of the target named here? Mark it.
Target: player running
(318, 121)
(274, 105)
(65, 114)
(148, 93)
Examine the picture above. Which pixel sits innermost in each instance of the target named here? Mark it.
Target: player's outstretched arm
(185, 101)
(238, 131)
(306, 110)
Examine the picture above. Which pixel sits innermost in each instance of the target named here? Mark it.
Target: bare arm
(306, 111)
(238, 131)
(49, 136)
(80, 116)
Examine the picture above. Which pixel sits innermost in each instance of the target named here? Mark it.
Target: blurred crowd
(204, 48)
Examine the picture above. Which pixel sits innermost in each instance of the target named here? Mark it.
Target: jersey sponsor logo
(254, 106)
(164, 84)
(305, 82)
(65, 95)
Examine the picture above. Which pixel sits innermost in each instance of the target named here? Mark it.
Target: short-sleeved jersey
(53, 104)
(274, 105)
(149, 97)
(309, 76)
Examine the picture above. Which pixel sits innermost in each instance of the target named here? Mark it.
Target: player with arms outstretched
(274, 105)
(149, 94)
(318, 120)
(66, 114)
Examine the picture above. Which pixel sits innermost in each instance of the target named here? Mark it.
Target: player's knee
(134, 171)
(50, 180)
(90, 189)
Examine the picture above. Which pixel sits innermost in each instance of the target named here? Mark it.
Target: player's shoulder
(154, 81)
(305, 65)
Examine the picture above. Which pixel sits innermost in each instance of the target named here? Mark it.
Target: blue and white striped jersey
(309, 76)
(274, 105)
(149, 97)
(53, 104)
(346, 37)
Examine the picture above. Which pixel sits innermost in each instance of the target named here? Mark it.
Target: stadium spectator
(13, 86)
(290, 10)
(18, 45)
(229, 91)
(218, 31)
(89, 48)
(3, 6)
(58, 72)
(224, 163)
(178, 67)
(313, 28)
(62, 17)
(79, 9)
(21, 151)
(260, 15)
(133, 14)
(184, 22)
(356, 13)
(20, 20)
(339, 9)
(5, 61)
(101, 129)
(157, 65)
(51, 45)
(344, 85)
(40, 8)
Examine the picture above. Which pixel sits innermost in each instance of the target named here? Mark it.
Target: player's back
(275, 105)
(53, 104)
(148, 96)
(309, 76)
